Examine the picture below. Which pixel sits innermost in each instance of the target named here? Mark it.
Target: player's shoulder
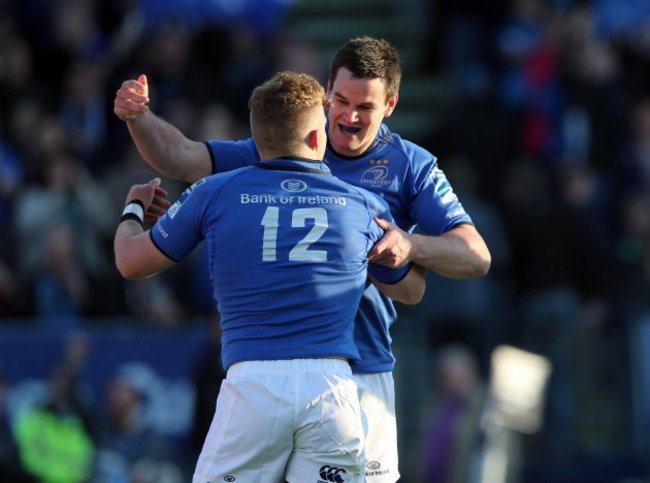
(337, 185)
(214, 183)
(404, 149)
(246, 143)
(374, 202)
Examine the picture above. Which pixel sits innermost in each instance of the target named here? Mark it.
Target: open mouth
(349, 130)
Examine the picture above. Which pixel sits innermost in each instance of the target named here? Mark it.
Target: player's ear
(313, 139)
(390, 107)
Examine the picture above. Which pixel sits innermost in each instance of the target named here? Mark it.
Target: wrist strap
(134, 210)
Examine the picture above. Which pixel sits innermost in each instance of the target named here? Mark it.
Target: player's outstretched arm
(162, 145)
(409, 290)
(135, 254)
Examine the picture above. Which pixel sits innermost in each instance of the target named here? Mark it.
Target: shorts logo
(373, 468)
(373, 465)
(332, 473)
(293, 185)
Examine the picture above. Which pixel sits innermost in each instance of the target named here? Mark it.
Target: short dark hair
(369, 58)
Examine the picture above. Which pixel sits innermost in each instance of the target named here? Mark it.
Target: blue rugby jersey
(287, 245)
(417, 192)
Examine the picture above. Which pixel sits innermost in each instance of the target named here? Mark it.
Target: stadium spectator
(452, 436)
(11, 468)
(55, 439)
(127, 449)
(62, 230)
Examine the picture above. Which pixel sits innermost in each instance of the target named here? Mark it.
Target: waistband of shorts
(336, 365)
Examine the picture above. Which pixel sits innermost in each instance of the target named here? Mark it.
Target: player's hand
(152, 197)
(132, 98)
(394, 248)
(158, 206)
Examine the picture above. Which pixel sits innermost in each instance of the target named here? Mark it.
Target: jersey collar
(295, 163)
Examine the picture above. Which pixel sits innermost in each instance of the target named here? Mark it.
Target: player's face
(357, 109)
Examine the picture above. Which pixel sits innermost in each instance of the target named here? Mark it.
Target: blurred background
(539, 113)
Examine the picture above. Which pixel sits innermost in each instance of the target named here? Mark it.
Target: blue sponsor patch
(173, 209)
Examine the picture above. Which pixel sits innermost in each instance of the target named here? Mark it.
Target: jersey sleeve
(180, 229)
(379, 208)
(229, 155)
(433, 205)
(387, 275)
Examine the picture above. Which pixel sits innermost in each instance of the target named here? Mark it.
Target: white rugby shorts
(296, 420)
(377, 399)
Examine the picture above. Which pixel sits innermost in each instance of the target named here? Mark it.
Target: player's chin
(346, 144)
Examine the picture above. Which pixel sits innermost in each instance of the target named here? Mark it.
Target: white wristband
(134, 208)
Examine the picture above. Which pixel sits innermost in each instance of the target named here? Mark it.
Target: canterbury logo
(332, 473)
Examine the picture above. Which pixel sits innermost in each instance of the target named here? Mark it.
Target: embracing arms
(459, 253)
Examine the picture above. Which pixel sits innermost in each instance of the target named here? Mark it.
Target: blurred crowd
(93, 417)
(66, 162)
(544, 134)
(546, 140)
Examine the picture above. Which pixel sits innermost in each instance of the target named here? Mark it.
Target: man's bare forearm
(460, 253)
(125, 256)
(409, 290)
(167, 150)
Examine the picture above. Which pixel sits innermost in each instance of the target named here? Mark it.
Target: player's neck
(305, 154)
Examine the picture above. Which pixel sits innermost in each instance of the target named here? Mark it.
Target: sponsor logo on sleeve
(173, 209)
(442, 186)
